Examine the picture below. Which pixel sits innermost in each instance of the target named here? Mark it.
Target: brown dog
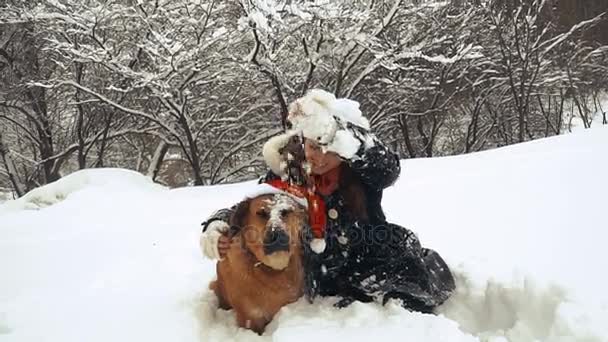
(262, 270)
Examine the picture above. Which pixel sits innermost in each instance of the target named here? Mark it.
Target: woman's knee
(402, 239)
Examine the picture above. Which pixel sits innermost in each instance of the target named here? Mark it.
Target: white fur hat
(321, 117)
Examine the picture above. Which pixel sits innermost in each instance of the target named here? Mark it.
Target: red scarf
(316, 205)
(328, 182)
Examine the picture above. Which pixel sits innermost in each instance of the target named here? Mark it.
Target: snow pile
(116, 257)
(322, 322)
(524, 311)
(523, 227)
(58, 191)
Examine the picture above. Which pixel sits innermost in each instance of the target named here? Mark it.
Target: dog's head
(270, 228)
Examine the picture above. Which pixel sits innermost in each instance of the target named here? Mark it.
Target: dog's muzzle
(276, 240)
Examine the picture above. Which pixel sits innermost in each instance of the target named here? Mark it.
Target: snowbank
(116, 258)
(58, 191)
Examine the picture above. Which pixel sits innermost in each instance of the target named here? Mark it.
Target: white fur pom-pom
(317, 245)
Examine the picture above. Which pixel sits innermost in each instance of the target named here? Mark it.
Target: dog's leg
(222, 302)
(256, 324)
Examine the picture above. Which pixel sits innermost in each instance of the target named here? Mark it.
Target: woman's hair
(352, 192)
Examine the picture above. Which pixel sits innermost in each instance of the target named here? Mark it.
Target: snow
(279, 204)
(255, 190)
(464, 52)
(323, 118)
(106, 255)
(56, 192)
(573, 121)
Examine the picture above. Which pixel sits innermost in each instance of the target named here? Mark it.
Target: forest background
(187, 91)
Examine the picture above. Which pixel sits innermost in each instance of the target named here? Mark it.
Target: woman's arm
(220, 215)
(214, 240)
(376, 166)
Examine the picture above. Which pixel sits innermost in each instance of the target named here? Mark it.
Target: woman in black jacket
(363, 257)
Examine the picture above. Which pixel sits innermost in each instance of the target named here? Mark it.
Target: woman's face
(320, 162)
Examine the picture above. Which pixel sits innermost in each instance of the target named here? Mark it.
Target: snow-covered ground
(106, 255)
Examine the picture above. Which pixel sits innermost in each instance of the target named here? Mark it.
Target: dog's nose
(276, 240)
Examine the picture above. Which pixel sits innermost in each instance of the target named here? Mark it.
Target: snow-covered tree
(187, 91)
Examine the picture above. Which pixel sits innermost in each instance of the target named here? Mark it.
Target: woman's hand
(223, 245)
(294, 158)
(214, 242)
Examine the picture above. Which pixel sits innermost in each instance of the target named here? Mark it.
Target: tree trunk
(193, 150)
(104, 140)
(406, 136)
(425, 139)
(157, 159)
(82, 162)
(9, 165)
(37, 98)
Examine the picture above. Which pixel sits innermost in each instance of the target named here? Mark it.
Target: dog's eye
(285, 212)
(263, 214)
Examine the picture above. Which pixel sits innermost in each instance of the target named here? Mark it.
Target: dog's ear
(237, 219)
